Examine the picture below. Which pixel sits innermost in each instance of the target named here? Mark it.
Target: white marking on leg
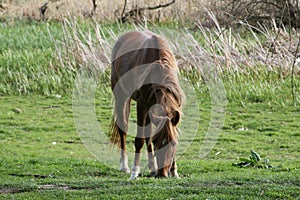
(152, 164)
(135, 172)
(124, 163)
(174, 174)
(173, 170)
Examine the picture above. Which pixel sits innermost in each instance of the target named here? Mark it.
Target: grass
(27, 59)
(33, 166)
(44, 57)
(43, 156)
(106, 11)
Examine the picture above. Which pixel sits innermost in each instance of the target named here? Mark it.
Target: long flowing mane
(168, 94)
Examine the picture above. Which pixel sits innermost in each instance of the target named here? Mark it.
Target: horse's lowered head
(165, 114)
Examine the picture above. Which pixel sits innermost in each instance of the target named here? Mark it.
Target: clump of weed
(254, 161)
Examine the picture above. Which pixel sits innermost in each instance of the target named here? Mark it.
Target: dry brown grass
(224, 48)
(228, 12)
(106, 10)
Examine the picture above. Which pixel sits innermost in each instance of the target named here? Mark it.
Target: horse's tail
(119, 125)
(114, 130)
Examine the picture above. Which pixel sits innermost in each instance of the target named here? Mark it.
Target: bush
(282, 12)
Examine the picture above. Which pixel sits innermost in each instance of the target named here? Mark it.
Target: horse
(144, 69)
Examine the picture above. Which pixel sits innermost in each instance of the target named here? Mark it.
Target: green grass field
(43, 157)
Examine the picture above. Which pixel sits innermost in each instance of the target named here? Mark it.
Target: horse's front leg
(138, 143)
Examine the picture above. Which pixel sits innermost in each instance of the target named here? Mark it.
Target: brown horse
(144, 69)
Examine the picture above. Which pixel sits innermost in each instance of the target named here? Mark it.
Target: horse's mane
(171, 97)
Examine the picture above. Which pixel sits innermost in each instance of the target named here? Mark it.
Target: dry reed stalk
(106, 10)
(223, 49)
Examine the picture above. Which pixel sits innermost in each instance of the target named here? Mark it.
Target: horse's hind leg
(148, 131)
(122, 111)
(173, 170)
(124, 158)
(152, 163)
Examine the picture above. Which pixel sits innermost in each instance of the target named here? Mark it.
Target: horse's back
(134, 49)
(137, 40)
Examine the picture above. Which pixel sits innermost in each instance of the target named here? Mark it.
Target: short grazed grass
(43, 157)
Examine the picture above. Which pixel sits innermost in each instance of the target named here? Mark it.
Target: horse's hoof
(161, 176)
(125, 170)
(134, 176)
(153, 174)
(174, 175)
